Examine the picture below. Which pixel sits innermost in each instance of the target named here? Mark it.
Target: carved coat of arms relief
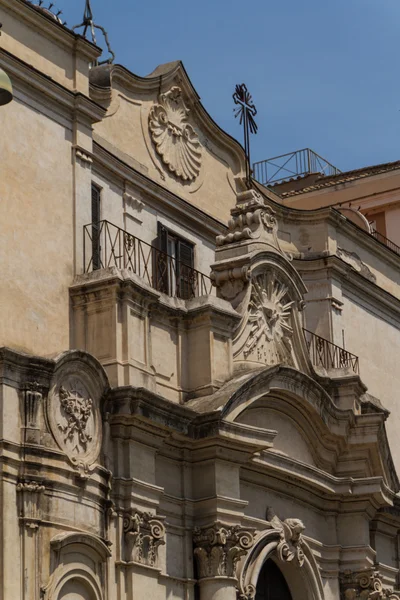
(74, 420)
(174, 138)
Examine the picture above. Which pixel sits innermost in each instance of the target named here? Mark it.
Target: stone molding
(83, 155)
(219, 548)
(143, 536)
(352, 259)
(365, 585)
(175, 140)
(33, 397)
(30, 507)
(133, 202)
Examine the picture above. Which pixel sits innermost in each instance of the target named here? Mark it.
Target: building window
(174, 265)
(96, 207)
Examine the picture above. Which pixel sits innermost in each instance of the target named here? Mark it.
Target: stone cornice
(353, 281)
(157, 196)
(59, 97)
(333, 218)
(316, 487)
(51, 29)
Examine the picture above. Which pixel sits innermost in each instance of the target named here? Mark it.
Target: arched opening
(76, 589)
(271, 583)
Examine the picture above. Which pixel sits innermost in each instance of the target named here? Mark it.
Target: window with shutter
(173, 261)
(186, 277)
(96, 249)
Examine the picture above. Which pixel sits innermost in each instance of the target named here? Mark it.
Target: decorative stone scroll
(365, 585)
(219, 548)
(250, 219)
(290, 546)
(143, 536)
(30, 507)
(174, 138)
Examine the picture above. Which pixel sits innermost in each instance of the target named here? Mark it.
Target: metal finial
(88, 23)
(246, 112)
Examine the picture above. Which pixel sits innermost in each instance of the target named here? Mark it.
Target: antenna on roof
(88, 23)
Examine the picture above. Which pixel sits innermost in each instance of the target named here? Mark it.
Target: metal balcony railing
(325, 354)
(384, 240)
(292, 165)
(106, 245)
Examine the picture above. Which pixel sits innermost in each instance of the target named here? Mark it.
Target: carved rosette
(30, 493)
(174, 138)
(74, 420)
(219, 548)
(266, 332)
(143, 536)
(365, 585)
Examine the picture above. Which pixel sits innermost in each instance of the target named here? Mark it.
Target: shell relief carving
(175, 140)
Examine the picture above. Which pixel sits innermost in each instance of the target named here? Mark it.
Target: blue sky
(323, 75)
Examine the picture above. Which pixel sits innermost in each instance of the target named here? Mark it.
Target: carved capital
(30, 503)
(143, 536)
(365, 585)
(219, 548)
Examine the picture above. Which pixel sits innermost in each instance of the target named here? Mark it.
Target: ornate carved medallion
(74, 421)
(174, 138)
(267, 334)
(76, 410)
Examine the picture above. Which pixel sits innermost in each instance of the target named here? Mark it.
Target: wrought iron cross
(246, 111)
(88, 23)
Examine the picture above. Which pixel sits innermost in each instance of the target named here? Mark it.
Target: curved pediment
(159, 122)
(334, 440)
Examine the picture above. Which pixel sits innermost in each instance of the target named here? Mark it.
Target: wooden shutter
(160, 260)
(187, 276)
(96, 250)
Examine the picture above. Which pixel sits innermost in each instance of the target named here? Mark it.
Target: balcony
(329, 356)
(106, 245)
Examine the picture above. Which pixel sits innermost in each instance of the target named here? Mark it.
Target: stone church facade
(198, 383)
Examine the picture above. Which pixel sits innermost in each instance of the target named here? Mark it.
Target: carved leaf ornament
(174, 138)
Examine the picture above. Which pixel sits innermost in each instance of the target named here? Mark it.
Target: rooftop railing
(106, 245)
(326, 354)
(292, 165)
(384, 240)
